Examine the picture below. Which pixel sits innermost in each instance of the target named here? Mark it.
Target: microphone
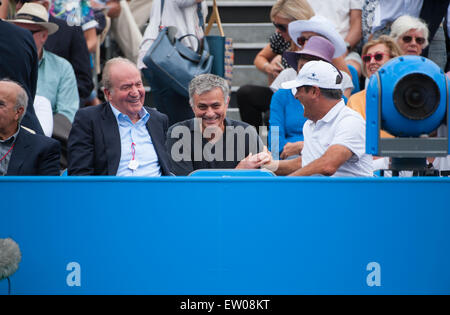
(10, 257)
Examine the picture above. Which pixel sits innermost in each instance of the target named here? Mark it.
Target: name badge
(133, 165)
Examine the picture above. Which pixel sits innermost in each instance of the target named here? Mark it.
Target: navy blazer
(94, 146)
(69, 43)
(34, 154)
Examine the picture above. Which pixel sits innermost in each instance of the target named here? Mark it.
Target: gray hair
(205, 83)
(405, 23)
(106, 76)
(21, 97)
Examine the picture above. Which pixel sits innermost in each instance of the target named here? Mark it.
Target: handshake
(263, 159)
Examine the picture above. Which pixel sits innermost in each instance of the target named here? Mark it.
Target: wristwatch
(349, 47)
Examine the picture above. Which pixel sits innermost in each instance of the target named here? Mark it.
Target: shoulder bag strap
(160, 17)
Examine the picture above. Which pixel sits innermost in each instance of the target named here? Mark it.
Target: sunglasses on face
(377, 56)
(419, 40)
(302, 40)
(280, 27)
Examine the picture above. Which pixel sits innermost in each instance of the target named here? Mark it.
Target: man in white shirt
(334, 134)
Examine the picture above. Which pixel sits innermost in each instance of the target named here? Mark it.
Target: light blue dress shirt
(57, 82)
(135, 137)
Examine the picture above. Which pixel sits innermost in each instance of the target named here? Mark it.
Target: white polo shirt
(344, 126)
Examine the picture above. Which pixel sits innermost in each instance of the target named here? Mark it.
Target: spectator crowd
(66, 103)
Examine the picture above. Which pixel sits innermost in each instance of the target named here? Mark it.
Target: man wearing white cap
(56, 77)
(334, 134)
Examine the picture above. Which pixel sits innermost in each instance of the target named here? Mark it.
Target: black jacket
(19, 62)
(94, 146)
(34, 155)
(69, 43)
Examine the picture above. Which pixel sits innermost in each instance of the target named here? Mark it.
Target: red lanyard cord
(10, 149)
(133, 151)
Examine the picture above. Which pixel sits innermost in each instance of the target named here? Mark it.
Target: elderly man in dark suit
(120, 137)
(21, 151)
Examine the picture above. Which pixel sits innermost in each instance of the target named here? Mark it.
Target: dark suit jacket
(19, 62)
(94, 146)
(69, 43)
(34, 155)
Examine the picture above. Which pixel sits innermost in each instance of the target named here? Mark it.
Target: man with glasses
(56, 79)
(21, 152)
(69, 43)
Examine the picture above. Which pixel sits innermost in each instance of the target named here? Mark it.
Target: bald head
(13, 105)
(21, 96)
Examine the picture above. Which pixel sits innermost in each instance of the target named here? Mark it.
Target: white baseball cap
(317, 73)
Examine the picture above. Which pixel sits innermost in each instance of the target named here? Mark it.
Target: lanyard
(133, 151)
(10, 149)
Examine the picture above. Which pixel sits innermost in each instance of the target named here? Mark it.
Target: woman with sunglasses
(254, 100)
(375, 54)
(411, 34)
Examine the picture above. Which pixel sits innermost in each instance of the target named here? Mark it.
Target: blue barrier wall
(228, 236)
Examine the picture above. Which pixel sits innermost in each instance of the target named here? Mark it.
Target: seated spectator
(341, 149)
(374, 54)
(346, 15)
(210, 140)
(411, 35)
(286, 112)
(56, 78)
(120, 137)
(70, 44)
(254, 100)
(22, 153)
(19, 62)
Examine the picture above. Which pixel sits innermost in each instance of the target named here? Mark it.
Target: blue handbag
(174, 64)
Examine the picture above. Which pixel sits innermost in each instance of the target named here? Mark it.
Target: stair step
(245, 74)
(241, 11)
(246, 34)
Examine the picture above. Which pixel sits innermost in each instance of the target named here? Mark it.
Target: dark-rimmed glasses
(281, 27)
(419, 40)
(302, 40)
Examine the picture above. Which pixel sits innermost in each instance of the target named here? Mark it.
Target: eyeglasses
(302, 40)
(281, 27)
(419, 40)
(36, 31)
(377, 56)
